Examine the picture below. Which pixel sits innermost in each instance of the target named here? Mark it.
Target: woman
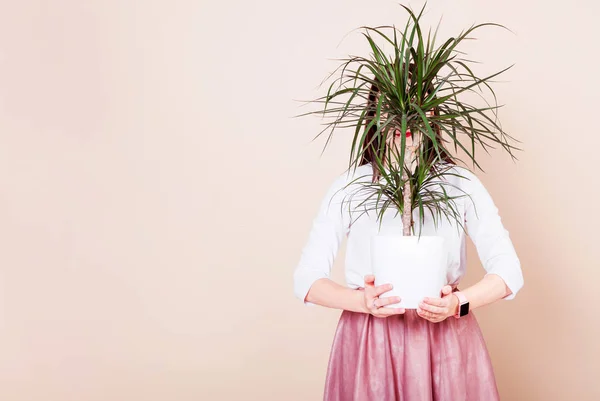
(435, 352)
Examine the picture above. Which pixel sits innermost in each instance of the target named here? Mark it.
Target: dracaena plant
(407, 110)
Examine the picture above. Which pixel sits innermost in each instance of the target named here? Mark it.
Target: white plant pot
(416, 267)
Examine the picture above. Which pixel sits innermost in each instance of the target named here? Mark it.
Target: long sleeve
(328, 229)
(491, 238)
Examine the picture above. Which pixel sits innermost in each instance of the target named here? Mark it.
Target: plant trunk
(407, 209)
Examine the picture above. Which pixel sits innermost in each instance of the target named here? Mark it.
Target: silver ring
(375, 306)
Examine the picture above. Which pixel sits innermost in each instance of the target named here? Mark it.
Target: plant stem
(407, 220)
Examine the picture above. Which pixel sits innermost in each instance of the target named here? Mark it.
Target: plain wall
(155, 194)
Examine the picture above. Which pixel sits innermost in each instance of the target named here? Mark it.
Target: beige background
(155, 194)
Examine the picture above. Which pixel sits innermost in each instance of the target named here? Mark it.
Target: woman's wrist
(454, 305)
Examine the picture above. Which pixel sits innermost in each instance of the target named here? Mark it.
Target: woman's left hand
(438, 309)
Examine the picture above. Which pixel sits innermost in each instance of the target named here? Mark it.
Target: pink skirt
(408, 358)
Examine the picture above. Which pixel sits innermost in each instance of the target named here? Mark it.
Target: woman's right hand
(373, 303)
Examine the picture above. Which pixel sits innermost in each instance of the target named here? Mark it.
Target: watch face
(464, 309)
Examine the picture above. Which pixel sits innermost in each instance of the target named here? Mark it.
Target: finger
(446, 290)
(427, 314)
(385, 312)
(436, 301)
(432, 317)
(388, 300)
(432, 309)
(380, 289)
(369, 280)
(424, 314)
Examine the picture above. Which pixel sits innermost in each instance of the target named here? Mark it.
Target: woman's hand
(373, 303)
(438, 309)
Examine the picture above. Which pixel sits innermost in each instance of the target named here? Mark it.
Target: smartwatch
(463, 304)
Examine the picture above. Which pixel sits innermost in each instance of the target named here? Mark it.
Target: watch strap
(463, 304)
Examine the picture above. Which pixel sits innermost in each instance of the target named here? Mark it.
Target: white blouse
(338, 217)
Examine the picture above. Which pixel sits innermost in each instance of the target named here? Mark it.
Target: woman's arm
(328, 293)
(489, 289)
(504, 277)
(312, 284)
(328, 229)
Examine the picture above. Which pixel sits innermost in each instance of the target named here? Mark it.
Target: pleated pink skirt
(408, 358)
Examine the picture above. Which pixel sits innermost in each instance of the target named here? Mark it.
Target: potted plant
(405, 108)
